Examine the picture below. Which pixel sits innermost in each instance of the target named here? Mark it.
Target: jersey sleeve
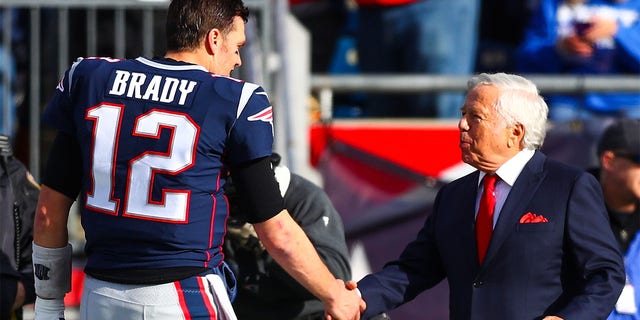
(251, 136)
(59, 111)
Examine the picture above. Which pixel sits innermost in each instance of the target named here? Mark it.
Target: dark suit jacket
(569, 266)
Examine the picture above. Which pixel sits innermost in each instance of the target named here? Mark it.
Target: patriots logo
(265, 115)
(60, 86)
(41, 271)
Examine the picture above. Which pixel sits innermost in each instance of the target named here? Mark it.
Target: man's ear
(605, 160)
(517, 135)
(213, 40)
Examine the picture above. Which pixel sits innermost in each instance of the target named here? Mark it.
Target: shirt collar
(510, 170)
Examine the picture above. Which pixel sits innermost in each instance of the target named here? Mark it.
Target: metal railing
(326, 85)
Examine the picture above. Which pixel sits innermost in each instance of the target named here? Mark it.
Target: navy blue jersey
(156, 137)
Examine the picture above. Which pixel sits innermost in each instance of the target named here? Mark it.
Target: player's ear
(213, 40)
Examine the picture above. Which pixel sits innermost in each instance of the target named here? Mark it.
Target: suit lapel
(516, 203)
(468, 207)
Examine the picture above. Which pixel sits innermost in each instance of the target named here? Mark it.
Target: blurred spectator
(437, 37)
(502, 25)
(585, 37)
(324, 19)
(9, 58)
(18, 198)
(619, 174)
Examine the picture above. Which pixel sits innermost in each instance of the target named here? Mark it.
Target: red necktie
(484, 219)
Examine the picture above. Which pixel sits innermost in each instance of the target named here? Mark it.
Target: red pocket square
(532, 218)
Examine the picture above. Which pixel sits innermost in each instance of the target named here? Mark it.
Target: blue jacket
(632, 266)
(537, 53)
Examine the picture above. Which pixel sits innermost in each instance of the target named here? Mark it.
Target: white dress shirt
(508, 173)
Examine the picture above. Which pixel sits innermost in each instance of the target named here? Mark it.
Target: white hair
(519, 102)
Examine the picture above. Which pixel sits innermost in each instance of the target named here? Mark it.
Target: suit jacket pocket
(535, 227)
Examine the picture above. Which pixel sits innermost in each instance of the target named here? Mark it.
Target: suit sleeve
(593, 246)
(418, 268)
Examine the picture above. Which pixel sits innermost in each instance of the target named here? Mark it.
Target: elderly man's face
(485, 140)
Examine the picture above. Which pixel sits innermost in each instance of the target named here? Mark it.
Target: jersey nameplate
(158, 88)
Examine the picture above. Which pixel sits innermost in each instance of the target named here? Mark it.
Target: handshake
(359, 303)
(345, 303)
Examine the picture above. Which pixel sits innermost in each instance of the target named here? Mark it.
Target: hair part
(519, 102)
(189, 21)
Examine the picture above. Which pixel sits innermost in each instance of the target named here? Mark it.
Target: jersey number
(174, 204)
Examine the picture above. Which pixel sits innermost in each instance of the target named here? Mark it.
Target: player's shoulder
(90, 63)
(86, 66)
(235, 84)
(235, 88)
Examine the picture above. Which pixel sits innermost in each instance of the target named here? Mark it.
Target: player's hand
(552, 318)
(49, 309)
(344, 305)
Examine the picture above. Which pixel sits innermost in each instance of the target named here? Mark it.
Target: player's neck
(194, 57)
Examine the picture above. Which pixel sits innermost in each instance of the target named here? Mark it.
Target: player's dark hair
(189, 21)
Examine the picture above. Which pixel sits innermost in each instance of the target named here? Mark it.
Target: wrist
(49, 308)
(333, 293)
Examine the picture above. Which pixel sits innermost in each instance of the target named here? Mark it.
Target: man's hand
(552, 318)
(345, 305)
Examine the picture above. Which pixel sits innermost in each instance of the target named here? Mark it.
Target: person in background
(584, 37)
(265, 290)
(619, 175)
(143, 143)
(419, 37)
(18, 198)
(324, 19)
(523, 237)
(502, 25)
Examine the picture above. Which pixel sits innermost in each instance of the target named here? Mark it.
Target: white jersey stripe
(247, 90)
(170, 67)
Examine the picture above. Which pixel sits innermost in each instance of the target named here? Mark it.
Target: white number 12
(141, 171)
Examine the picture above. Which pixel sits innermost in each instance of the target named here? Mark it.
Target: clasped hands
(346, 303)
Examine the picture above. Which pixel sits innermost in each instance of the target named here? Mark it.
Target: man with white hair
(523, 237)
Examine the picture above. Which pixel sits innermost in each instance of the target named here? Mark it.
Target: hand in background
(600, 28)
(575, 45)
(20, 296)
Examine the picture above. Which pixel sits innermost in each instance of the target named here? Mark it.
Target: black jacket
(18, 198)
